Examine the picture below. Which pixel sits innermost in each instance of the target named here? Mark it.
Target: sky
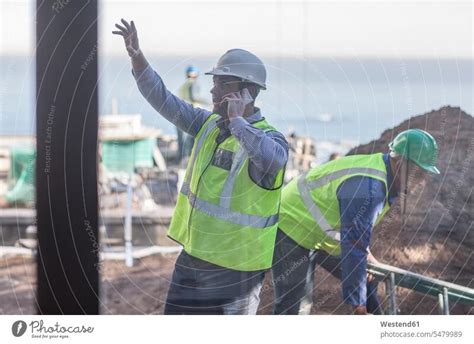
(301, 29)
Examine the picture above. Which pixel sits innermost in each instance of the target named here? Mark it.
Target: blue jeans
(293, 277)
(199, 287)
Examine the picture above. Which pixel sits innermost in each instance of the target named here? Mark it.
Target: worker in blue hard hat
(189, 92)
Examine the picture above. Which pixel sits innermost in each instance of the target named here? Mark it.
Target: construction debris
(302, 155)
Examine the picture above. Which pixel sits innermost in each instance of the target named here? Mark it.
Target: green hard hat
(418, 146)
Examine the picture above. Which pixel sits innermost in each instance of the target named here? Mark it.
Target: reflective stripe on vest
(226, 214)
(226, 194)
(212, 124)
(223, 211)
(341, 173)
(305, 187)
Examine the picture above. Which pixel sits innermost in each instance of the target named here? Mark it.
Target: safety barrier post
(390, 292)
(445, 301)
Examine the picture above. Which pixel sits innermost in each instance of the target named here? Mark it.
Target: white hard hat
(242, 64)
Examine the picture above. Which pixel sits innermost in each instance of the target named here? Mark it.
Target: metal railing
(445, 292)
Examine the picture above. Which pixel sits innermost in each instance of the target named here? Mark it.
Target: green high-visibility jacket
(222, 216)
(309, 212)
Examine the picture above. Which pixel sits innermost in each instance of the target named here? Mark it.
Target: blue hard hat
(192, 69)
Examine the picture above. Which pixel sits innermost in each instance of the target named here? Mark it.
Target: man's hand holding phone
(236, 103)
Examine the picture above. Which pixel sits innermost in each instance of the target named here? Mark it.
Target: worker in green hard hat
(327, 216)
(417, 146)
(413, 152)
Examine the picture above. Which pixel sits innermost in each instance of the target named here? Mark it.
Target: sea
(334, 100)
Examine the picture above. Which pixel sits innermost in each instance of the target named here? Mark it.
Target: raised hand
(130, 37)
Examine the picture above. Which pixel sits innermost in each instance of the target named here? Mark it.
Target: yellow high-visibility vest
(222, 216)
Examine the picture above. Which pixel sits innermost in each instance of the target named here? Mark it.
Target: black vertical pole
(66, 168)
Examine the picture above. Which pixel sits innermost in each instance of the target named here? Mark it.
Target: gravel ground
(142, 289)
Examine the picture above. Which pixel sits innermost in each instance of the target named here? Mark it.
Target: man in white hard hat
(226, 216)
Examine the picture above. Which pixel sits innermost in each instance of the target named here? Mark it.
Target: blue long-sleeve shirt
(267, 151)
(361, 199)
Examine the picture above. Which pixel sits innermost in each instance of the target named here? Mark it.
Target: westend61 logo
(39, 330)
